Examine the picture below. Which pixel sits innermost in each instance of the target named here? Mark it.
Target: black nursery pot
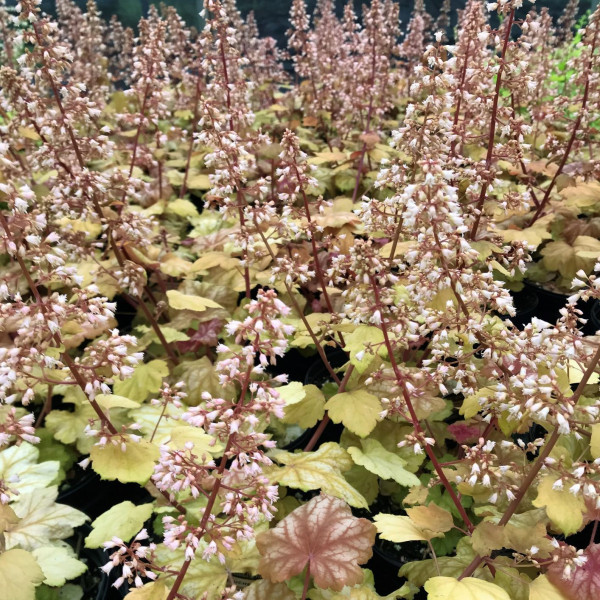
(95, 583)
(594, 322)
(317, 374)
(85, 491)
(387, 560)
(550, 303)
(526, 303)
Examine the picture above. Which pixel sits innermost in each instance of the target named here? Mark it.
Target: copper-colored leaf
(267, 590)
(580, 582)
(324, 533)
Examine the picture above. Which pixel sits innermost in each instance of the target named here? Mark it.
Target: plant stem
(188, 161)
(492, 134)
(323, 424)
(215, 491)
(306, 581)
(563, 162)
(539, 463)
(97, 207)
(415, 420)
(368, 123)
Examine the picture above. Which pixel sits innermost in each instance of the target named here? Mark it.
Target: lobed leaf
(323, 535)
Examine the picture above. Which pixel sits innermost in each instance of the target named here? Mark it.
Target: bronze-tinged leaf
(267, 590)
(582, 582)
(324, 533)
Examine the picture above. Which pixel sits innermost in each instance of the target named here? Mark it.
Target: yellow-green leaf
(326, 157)
(41, 520)
(29, 132)
(204, 444)
(385, 464)
(469, 588)
(146, 379)
(431, 518)
(123, 520)
(199, 182)
(306, 411)
(488, 536)
(358, 410)
(19, 467)
(182, 208)
(399, 529)
(180, 301)
(534, 236)
(564, 509)
(292, 392)
(576, 373)
(595, 441)
(470, 406)
(357, 341)
(58, 564)
(317, 470)
(541, 589)
(135, 464)
(155, 590)
(108, 401)
(20, 574)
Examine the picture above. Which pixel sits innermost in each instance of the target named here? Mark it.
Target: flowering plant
(277, 315)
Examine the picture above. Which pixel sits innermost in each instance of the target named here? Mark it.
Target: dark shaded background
(272, 15)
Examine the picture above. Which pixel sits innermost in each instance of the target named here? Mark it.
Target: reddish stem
(415, 420)
(215, 491)
(539, 463)
(492, 134)
(563, 162)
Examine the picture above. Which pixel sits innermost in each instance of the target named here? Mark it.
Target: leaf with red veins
(463, 433)
(207, 334)
(583, 581)
(324, 534)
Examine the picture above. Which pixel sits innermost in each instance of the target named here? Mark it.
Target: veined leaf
(199, 182)
(469, 588)
(108, 401)
(307, 410)
(123, 520)
(135, 464)
(263, 589)
(358, 410)
(317, 470)
(58, 564)
(583, 581)
(182, 208)
(155, 590)
(385, 464)
(20, 574)
(564, 509)
(358, 340)
(146, 379)
(542, 589)
(41, 520)
(399, 529)
(180, 301)
(323, 534)
(19, 467)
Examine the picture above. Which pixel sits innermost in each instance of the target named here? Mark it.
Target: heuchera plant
(279, 304)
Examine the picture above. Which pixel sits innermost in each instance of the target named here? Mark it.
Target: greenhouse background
(272, 16)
